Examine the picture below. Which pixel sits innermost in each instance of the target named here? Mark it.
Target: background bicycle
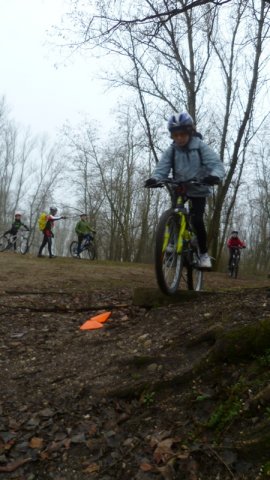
(21, 242)
(88, 249)
(176, 250)
(234, 262)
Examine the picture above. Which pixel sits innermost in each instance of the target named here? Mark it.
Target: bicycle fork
(183, 234)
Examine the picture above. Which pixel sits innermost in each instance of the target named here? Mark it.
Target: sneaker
(205, 261)
(40, 255)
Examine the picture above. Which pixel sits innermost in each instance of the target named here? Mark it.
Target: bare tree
(107, 19)
(15, 152)
(241, 84)
(111, 174)
(257, 216)
(209, 65)
(44, 176)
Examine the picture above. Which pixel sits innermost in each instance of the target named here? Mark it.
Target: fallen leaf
(166, 472)
(146, 467)
(163, 451)
(36, 442)
(92, 468)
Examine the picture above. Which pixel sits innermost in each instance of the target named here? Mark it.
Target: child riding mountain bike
(84, 231)
(190, 157)
(15, 227)
(48, 233)
(233, 243)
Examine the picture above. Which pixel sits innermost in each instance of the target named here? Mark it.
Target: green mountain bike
(176, 249)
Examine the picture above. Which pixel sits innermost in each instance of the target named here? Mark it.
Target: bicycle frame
(176, 257)
(20, 239)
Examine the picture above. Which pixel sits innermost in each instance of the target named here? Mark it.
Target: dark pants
(46, 241)
(197, 212)
(81, 236)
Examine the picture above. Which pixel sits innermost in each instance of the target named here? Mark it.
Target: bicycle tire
(236, 267)
(3, 243)
(168, 263)
(92, 251)
(195, 274)
(24, 246)
(74, 249)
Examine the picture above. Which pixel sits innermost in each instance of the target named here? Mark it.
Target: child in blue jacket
(189, 157)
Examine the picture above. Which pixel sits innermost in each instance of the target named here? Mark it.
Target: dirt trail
(140, 398)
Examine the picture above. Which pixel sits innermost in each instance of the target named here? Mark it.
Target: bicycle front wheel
(73, 249)
(168, 263)
(236, 267)
(92, 251)
(232, 267)
(24, 247)
(3, 243)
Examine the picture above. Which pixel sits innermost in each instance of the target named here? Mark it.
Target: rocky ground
(167, 389)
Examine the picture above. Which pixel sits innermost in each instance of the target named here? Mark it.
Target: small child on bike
(189, 157)
(84, 231)
(233, 243)
(15, 227)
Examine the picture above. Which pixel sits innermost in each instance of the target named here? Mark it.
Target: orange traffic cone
(95, 322)
(91, 325)
(102, 317)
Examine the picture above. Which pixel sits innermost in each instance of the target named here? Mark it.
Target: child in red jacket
(233, 243)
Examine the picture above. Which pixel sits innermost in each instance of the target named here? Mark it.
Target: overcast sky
(39, 94)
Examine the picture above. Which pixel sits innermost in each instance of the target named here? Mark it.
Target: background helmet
(234, 232)
(18, 214)
(181, 122)
(53, 210)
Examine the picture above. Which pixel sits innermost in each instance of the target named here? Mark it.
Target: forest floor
(169, 388)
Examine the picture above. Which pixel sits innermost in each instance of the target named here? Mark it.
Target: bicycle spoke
(167, 261)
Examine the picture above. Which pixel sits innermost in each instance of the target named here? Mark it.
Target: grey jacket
(196, 160)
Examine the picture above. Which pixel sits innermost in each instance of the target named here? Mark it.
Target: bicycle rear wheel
(168, 263)
(73, 249)
(3, 243)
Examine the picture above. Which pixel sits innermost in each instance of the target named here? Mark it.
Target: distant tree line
(211, 60)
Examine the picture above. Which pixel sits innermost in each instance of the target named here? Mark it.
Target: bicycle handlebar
(174, 183)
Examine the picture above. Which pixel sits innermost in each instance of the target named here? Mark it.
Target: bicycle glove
(150, 183)
(211, 180)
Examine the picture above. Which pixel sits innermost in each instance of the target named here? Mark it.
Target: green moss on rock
(243, 342)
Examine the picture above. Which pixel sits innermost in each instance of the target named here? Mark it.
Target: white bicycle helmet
(181, 122)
